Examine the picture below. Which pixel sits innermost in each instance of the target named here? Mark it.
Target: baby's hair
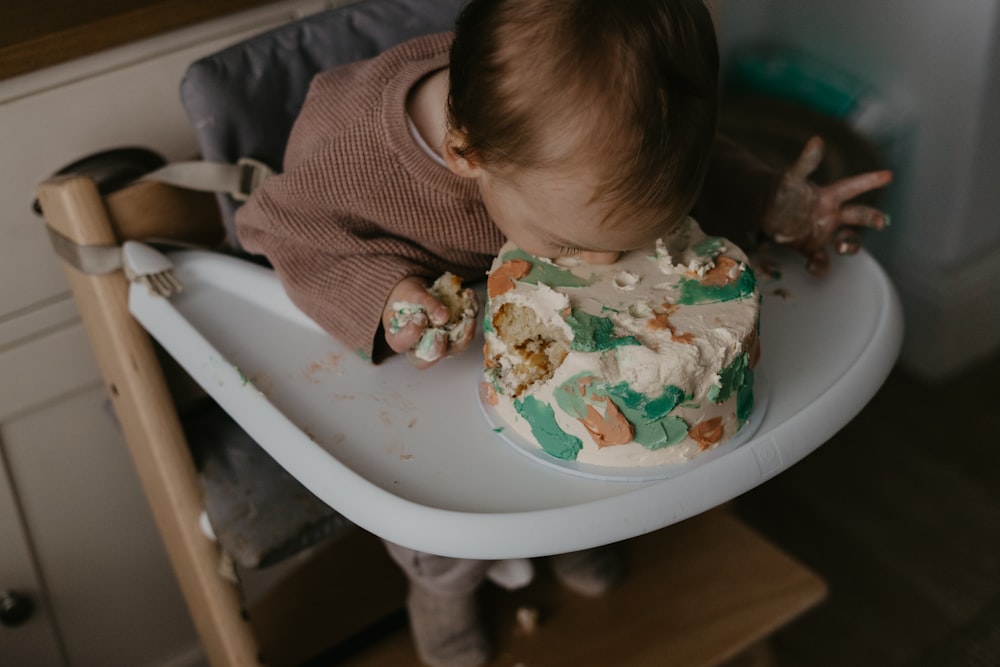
(633, 84)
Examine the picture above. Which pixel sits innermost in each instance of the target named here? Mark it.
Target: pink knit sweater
(359, 206)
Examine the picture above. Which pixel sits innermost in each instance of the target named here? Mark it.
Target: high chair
(191, 457)
(382, 456)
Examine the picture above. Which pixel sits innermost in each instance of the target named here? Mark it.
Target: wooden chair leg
(149, 421)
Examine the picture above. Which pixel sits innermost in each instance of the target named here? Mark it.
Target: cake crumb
(527, 619)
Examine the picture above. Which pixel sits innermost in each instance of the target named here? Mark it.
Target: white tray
(409, 456)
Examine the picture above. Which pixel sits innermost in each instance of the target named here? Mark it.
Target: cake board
(409, 456)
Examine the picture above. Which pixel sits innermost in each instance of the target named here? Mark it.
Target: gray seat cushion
(260, 514)
(243, 100)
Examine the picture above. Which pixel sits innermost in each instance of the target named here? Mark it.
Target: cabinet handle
(15, 608)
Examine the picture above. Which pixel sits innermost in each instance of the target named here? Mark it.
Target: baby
(571, 127)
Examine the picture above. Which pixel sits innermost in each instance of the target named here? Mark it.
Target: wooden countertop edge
(33, 53)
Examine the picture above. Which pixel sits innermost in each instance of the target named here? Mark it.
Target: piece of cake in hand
(643, 362)
(462, 305)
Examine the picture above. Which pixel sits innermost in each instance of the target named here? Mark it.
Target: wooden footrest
(698, 593)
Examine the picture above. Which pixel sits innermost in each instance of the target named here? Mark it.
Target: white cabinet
(76, 534)
(35, 637)
(91, 559)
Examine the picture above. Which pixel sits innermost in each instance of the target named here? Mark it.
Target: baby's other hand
(810, 217)
(411, 320)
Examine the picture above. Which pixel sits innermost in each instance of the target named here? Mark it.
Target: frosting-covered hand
(414, 322)
(811, 217)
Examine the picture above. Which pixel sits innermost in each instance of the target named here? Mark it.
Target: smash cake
(643, 362)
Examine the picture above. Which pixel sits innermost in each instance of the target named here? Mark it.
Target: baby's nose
(599, 257)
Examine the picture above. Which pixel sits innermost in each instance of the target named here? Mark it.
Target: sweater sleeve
(338, 268)
(353, 212)
(736, 192)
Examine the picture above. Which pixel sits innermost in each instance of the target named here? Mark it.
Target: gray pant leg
(440, 575)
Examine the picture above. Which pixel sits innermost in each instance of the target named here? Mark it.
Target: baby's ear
(460, 160)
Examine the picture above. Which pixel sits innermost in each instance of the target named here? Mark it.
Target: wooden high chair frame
(137, 386)
(147, 393)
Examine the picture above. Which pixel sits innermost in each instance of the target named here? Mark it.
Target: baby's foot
(446, 629)
(592, 572)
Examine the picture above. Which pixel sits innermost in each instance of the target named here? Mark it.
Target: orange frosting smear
(502, 278)
(722, 273)
(608, 429)
(490, 393)
(708, 432)
(661, 321)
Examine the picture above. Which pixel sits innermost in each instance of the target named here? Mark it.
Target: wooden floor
(900, 513)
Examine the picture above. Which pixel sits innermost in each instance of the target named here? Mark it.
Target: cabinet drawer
(52, 365)
(34, 641)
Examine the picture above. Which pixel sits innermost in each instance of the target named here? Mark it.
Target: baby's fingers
(403, 329)
(459, 345)
(846, 241)
(808, 160)
(429, 349)
(849, 188)
(818, 262)
(862, 216)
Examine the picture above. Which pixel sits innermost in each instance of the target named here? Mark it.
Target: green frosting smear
(655, 428)
(542, 419)
(693, 293)
(709, 247)
(744, 398)
(546, 273)
(573, 398)
(650, 409)
(663, 433)
(487, 320)
(731, 379)
(592, 333)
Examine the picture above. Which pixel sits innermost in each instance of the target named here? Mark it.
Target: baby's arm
(331, 266)
(743, 196)
(809, 217)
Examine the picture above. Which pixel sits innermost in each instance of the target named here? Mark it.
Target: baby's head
(587, 122)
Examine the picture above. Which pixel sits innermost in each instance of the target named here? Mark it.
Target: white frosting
(685, 341)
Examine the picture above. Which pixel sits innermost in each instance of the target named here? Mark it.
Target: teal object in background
(796, 76)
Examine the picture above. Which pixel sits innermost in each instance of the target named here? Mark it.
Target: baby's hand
(809, 217)
(414, 323)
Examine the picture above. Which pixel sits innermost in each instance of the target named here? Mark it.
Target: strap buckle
(252, 174)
